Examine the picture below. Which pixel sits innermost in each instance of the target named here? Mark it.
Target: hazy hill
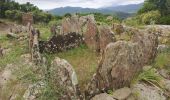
(121, 11)
(131, 8)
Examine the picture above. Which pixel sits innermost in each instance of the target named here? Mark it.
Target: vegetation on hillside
(13, 10)
(152, 12)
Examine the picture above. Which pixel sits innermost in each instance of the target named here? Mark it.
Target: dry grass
(84, 62)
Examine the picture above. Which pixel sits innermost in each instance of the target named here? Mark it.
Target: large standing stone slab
(106, 36)
(64, 78)
(90, 34)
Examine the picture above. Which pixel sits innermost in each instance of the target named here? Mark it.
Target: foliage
(162, 60)
(12, 56)
(165, 20)
(149, 17)
(134, 21)
(40, 16)
(13, 10)
(67, 15)
(13, 14)
(150, 76)
(103, 18)
(161, 6)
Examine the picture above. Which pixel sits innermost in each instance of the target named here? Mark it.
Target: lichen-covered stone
(64, 77)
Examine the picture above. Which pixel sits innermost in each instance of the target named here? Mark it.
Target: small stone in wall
(122, 93)
(103, 96)
(146, 92)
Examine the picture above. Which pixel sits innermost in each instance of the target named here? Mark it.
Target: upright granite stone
(71, 24)
(91, 34)
(27, 18)
(106, 36)
(35, 52)
(64, 78)
(121, 61)
(148, 41)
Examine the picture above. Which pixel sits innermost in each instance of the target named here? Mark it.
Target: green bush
(149, 17)
(54, 22)
(134, 22)
(165, 20)
(14, 14)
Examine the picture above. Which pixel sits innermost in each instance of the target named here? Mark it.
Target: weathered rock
(122, 94)
(119, 64)
(34, 91)
(109, 18)
(64, 77)
(6, 51)
(70, 25)
(90, 35)
(164, 73)
(146, 68)
(162, 48)
(103, 96)
(36, 57)
(131, 97)
(118, 28)
(106, 36)
(121, 61)
(1, 51)
(145, 92)
(11, 35)
(167, 84)
(27, 18)
(5, 76)
(148, 41)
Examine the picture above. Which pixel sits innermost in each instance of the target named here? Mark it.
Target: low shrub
(150, 17)
(165, 20)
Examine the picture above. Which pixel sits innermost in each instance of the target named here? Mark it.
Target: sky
(50, 4)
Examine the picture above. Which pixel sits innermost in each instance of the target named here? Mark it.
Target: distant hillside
(132, 8)
(63, 10)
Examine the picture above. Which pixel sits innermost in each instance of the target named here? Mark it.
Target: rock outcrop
(122, 94)
(64, 78)
(71, 24)
(96, 38)
(148, 42)
(145, 92)
(121, 61)
(91, 34)
(103, 96)
(118, 28)
(34, 91)
(106, 36)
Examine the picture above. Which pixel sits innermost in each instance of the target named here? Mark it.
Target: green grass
(44, 31)
(162, 60)
(150, 77)
(82, 59)
(84, 62)
(15, 51)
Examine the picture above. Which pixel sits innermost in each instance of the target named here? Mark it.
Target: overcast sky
(50, 4)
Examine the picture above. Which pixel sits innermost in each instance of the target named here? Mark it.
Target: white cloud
(49, 4)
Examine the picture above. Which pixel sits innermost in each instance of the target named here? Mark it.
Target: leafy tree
(161, 5)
